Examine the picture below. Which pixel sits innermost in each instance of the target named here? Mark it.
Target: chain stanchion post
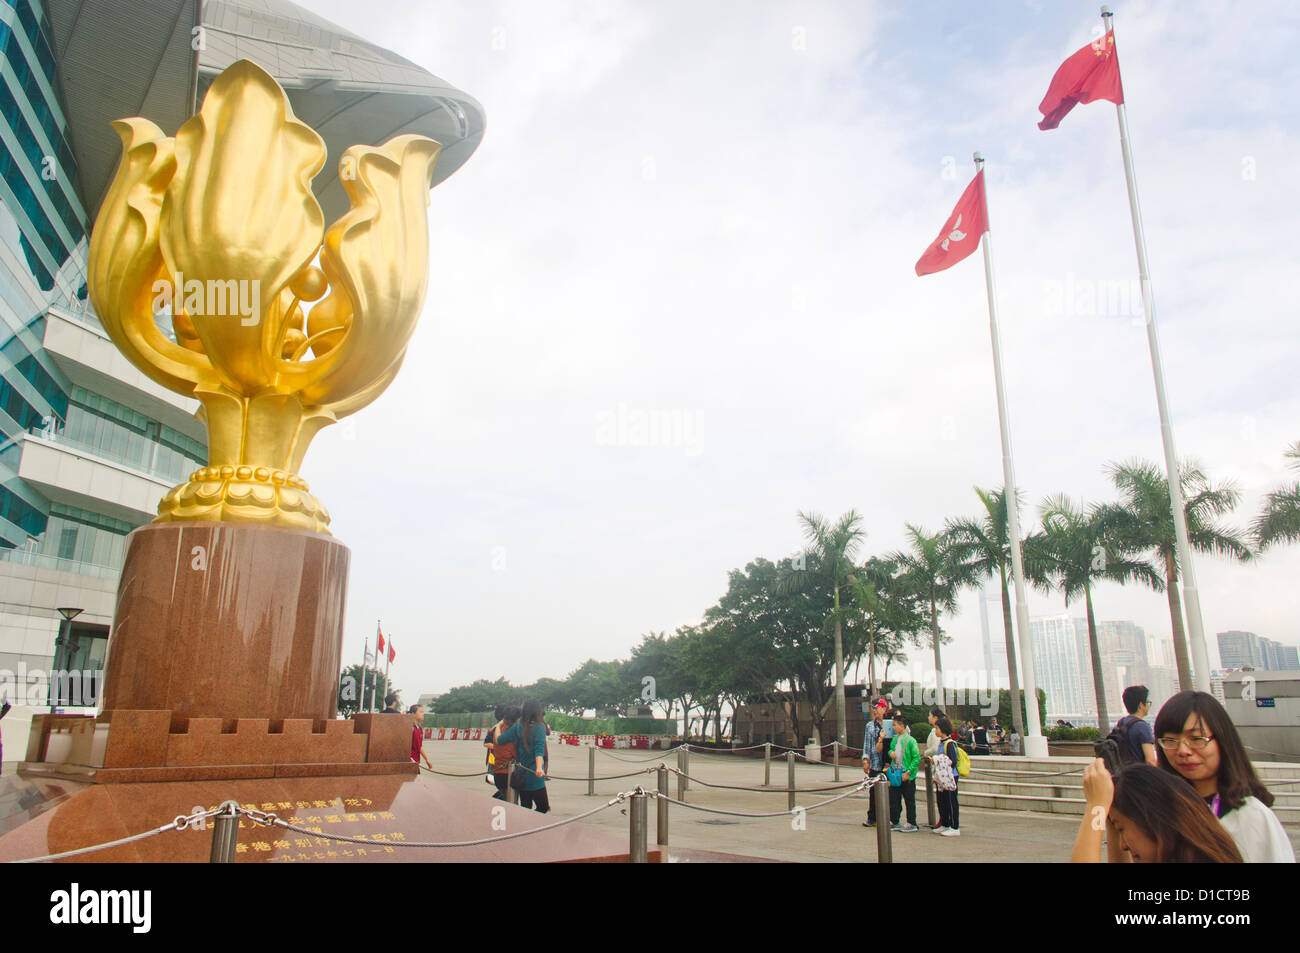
(686, 767)
(225, 834)
(884, 846)
(591, 771)
(931, 799)
(767, 764)
(637, 827)
(789, 766)
(512, 796)
(662, 834)
(836, 753)
(681, 779)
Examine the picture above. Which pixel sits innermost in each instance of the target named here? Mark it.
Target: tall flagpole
(374, 690)
(388, 661)
(365, 659)
(1035, 743)
(1191, 599)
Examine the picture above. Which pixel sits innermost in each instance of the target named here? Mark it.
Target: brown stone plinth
(129, 746)
(227, 621)
(386, 810)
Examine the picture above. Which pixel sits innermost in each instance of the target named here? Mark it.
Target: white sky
(710, 212)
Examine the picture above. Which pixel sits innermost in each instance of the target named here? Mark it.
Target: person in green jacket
(904, 756)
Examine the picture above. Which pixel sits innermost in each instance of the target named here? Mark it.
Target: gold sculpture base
(245, 495)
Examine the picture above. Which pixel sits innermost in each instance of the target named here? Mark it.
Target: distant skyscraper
(1240, 649)
(1056, 657)
(1290, 658)
(995, 649)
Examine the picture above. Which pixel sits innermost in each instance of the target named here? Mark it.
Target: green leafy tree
(655, 669)
(1143, 522)
(934, 570)
(362, 689)
(889, 611)
(781, 640)
(828, 563)
(553, 694)
(1279, 518)
(1080, 548)
(480, 695)
(601, 685)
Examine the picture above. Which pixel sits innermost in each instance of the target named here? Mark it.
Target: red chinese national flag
(960, 235)
(380, 650)
(392, 655)
(1090, 74)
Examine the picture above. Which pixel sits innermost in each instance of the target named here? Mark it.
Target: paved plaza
(833, 833)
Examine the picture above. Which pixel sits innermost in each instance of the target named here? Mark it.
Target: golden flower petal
(240, 208)
(125, 260)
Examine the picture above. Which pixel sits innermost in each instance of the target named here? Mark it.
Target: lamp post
(60, 649)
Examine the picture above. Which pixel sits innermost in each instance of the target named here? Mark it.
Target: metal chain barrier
(180, 823)
(448, 774)
(275, 821)
(549, 777)
(767, 790)
(653, 757)
(864, 784)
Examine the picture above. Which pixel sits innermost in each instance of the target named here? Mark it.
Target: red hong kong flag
(1090, 74)
(392, 654)
(380, 650)
(960, 235)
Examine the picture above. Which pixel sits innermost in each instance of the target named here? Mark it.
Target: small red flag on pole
(960, 235)
(1090, 74)
(392, 653)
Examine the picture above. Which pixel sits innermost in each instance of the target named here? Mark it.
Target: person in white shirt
(932, 742)
(1196, 740)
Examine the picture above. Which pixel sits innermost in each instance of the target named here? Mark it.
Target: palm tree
(934, 571)
(1079, 548)
(983, 544)
(1279, 520)
(1143, 522)
(887, 609)
(829, 557)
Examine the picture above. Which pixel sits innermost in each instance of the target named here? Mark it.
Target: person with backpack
(873, 757)
(528, 735)
(932, 745)
(945, 776)
(1136, 740)
(501, 755)
(904, 760)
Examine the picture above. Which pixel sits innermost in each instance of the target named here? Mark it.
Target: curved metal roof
(136, 59)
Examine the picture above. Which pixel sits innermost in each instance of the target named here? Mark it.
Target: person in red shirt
(417, 736)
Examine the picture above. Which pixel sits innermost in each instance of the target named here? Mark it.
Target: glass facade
(43, 249)
(37, 166)
(121, 434)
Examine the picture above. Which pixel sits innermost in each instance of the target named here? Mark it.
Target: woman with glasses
(1196, 740)
(1151, 817)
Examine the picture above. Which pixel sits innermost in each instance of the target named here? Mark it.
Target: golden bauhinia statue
(217, 230)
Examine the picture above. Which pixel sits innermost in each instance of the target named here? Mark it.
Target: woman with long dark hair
(1151, 818)
(1197, 741)
(528, 735)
